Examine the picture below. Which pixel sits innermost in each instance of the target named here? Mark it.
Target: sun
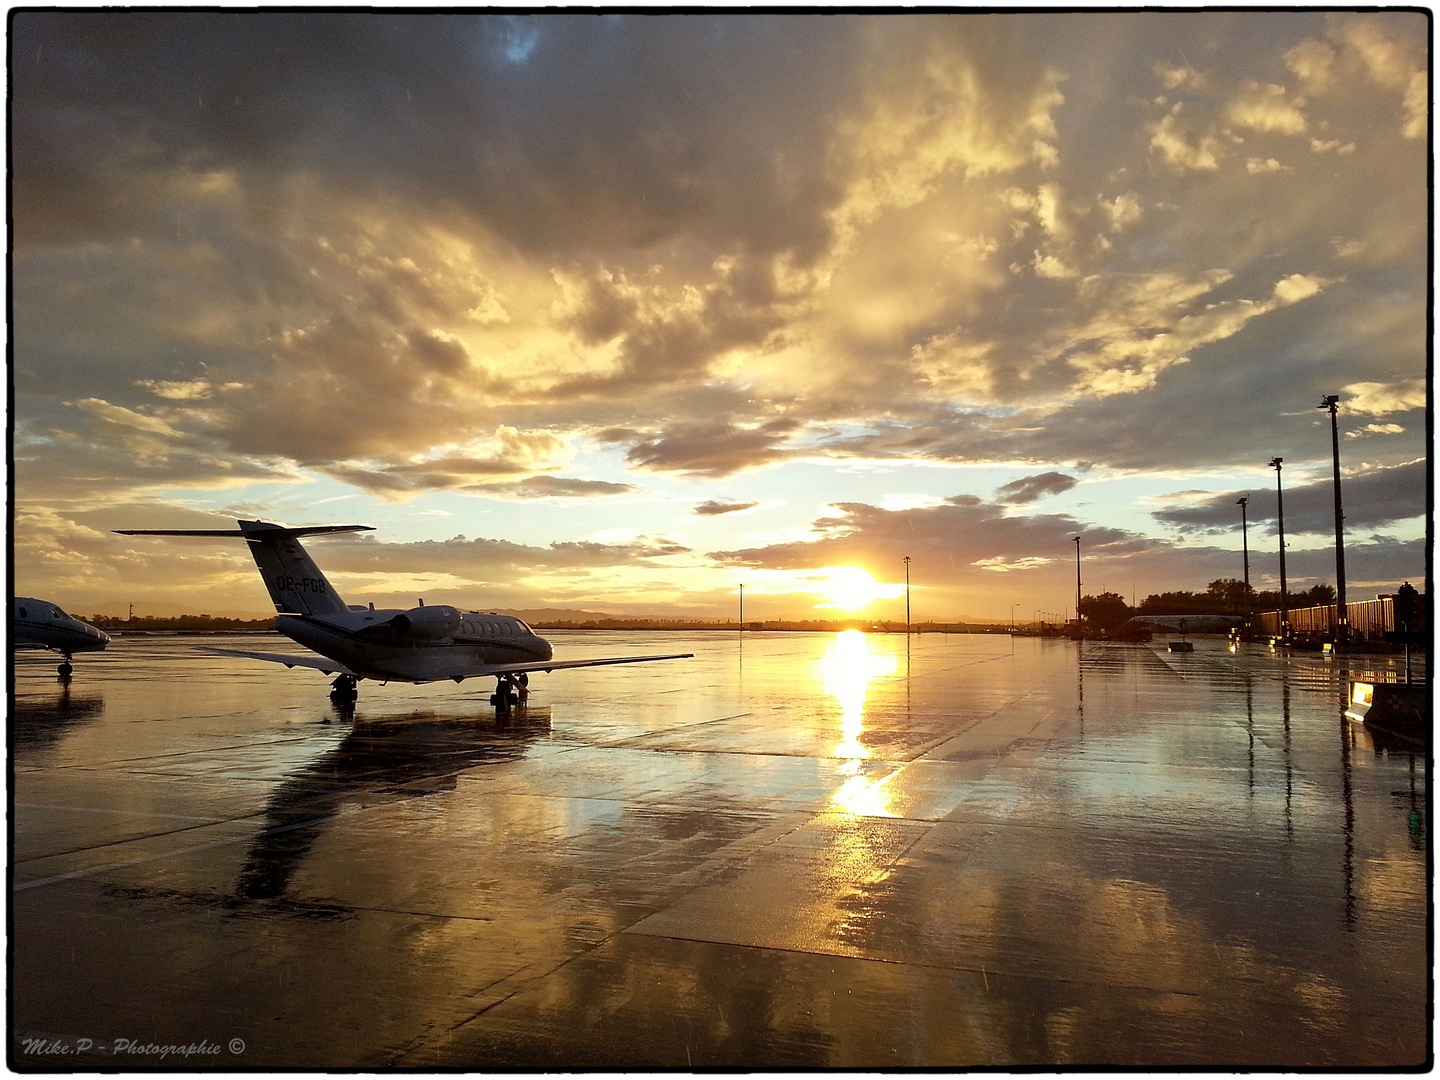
(849, 588)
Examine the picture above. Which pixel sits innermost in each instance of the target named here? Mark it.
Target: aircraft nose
(100, 635)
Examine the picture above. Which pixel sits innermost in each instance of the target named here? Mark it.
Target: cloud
(1374, 429)
(714, 448)
(126, 418)
(1389, 63)
(1029, 488)
(1183, 145)
(404, 481)
(1373, 498)
(1266, 107)
(962, 535)
(714, 508)
(1380, 399)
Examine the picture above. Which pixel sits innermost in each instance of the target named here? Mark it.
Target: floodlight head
(1329, 401)
(1275, 462)
(1244, 500)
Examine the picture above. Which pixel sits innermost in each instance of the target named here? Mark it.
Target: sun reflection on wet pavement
(849, 852)
(847, 671)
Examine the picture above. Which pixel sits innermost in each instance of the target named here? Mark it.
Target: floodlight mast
(907, 595)
(1243, 502)
(1077, 579)
(1342, 613)
(1275, 464)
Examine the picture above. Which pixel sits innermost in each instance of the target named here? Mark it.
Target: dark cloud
(539, 487)
(604, 130)
(481, 559)
(1029, 488)
(716, 447)
(714, 508)
(404, 481)
(964, 539)
(1371, 500)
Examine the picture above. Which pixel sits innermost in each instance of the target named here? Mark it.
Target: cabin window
(24, 614)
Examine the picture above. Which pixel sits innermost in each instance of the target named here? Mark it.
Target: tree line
(1223, 596)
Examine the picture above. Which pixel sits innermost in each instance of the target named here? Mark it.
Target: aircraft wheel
(65, 669)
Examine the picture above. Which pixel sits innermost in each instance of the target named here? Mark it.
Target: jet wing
(330, 667)
(320, 663)
(557, 665)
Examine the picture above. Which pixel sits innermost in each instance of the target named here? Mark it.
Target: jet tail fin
(296, 584)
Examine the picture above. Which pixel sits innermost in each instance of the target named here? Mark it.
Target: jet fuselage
(369, 643)
(41, 623)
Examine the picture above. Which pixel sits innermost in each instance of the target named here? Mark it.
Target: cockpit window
(522, 627)
(56, 613)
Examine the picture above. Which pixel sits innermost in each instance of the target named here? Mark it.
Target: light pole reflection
(846, 673)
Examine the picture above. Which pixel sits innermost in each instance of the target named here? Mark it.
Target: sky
(618, 313)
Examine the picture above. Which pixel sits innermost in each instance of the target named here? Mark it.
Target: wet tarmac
(795, 851)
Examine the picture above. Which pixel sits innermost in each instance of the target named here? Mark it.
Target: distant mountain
(534, 615)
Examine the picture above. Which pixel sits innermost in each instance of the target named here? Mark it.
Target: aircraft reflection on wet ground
(820, 851)
(410, 757)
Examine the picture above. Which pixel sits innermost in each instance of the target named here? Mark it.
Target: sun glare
(849, 588)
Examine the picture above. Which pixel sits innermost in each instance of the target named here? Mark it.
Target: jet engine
(426, 623)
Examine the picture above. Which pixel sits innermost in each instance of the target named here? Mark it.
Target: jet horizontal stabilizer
(268, 530)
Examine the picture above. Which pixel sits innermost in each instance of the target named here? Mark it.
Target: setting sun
(850, 588)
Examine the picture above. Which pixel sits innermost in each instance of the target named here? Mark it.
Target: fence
(1369, 619)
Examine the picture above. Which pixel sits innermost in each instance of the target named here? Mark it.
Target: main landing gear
(342, 690)
(510, 690)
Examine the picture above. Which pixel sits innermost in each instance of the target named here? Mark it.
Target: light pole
(1243, 502)
(907, 595)
(1342, 620)
(1245, 540)
(1012, 617)
(1077, 579)
(742, 607)
(1280, 516)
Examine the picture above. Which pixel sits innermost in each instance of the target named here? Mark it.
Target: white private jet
(423, 644)
(39, 624)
